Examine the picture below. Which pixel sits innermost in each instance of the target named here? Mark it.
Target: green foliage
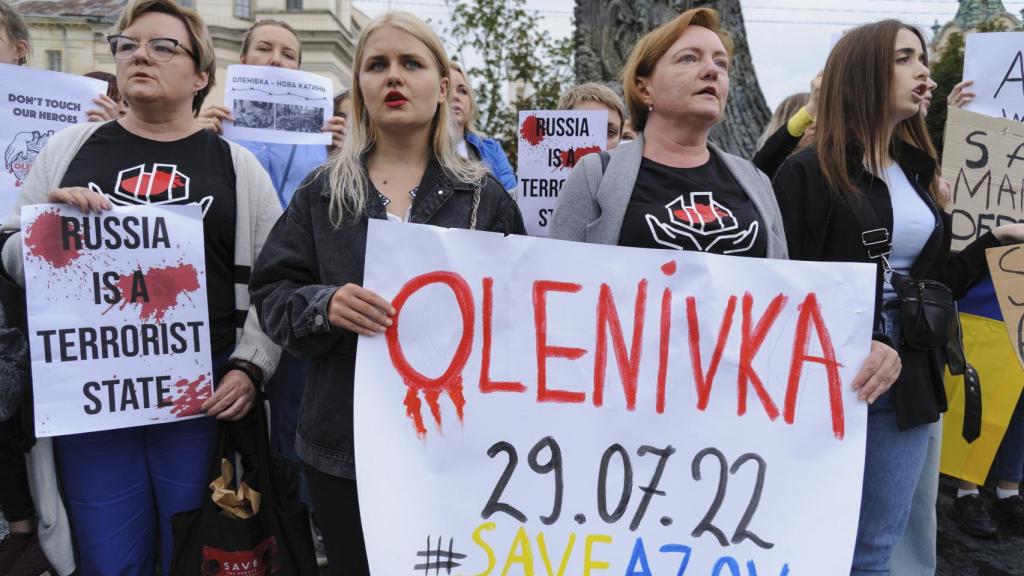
(512, 50)
(947, 72)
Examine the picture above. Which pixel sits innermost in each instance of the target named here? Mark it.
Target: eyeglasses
(159, 49)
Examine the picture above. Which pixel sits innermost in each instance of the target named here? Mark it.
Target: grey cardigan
(593, 200)
(256, 210)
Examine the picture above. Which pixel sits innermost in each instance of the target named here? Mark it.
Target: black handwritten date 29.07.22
(552, 464)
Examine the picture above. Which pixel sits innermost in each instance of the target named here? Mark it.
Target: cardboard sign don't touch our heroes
(277, 105)
(550, 143)
(117, 316)
(983, 159)
(550, 407)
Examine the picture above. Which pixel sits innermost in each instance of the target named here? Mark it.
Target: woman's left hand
(233, 398)
(1009, 233)
(336, 126)
(878, 373)
(107, 109)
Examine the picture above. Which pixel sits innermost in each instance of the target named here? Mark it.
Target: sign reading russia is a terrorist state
(547, 407)
(551, 142)
(118, 322)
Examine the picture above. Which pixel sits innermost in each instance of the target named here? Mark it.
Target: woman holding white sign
(399, 163)
(122, 486)
(868, 191)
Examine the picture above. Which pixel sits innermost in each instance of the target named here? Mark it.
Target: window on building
(53, 60)
(243, 9)
(294, 4)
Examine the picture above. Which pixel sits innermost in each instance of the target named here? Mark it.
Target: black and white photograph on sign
(298, 118)
(294, 105)
(254, 114)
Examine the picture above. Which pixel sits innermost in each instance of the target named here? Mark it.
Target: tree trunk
(606, 31)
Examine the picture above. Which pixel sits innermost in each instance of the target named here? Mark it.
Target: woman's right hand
(82, 198)
(958, 98)
(878, 373)
(359, 310)
(211, 118)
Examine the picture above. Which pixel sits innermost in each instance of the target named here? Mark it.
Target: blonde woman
(306, 283)
(469, 143)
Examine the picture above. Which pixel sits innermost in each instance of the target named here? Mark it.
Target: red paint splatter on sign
(699, 213)
(531, 131)
(191, 395)
(139, 185)
(164, 286)
(43, 238)
(669, 268)
(571, 158)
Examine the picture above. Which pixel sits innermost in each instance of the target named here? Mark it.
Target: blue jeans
(915, 553)
(892, 466)
(1009, 462)
(121, 488)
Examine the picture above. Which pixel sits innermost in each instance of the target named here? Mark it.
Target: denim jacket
(306, 259)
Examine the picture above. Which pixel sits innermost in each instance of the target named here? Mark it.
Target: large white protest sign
(36, 104)
(995, 62)
(117, 316)
(548, 407)
(550, 144)
(278, 105)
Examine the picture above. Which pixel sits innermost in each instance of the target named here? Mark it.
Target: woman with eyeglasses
(121, 487)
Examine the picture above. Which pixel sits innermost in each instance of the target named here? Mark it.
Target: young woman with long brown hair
(874, 162)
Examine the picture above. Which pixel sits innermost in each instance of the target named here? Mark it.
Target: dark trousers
(284, 392)
(15, 499)
(337, 512)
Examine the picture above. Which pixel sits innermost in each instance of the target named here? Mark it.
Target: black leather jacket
(821, 226)
(306, 258)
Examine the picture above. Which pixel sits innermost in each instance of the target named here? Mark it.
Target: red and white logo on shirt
(702, 224)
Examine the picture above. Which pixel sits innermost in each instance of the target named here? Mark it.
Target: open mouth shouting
(920, 92)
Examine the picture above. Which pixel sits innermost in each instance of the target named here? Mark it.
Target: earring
(650, 107)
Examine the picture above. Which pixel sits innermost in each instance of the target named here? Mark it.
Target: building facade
(69, 35)
(969, 16)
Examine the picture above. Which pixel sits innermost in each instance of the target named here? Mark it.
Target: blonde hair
(593, 92)
(648, 50)
(473, 110)
(783, 112)
(13, 27)
(198, 35)
(346, 174)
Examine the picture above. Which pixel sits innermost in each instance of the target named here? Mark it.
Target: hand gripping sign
(546, 407)
(117, 316)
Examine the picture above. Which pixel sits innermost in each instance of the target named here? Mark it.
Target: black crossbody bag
(929, 319)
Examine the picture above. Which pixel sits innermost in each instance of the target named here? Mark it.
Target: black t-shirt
(130, 171)
(702, 209)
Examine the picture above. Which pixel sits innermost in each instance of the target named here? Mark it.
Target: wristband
(799, 122)
(248, 368)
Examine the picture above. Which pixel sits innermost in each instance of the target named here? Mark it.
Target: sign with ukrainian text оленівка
(983, 160)
(548, 407)
(117, 316)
